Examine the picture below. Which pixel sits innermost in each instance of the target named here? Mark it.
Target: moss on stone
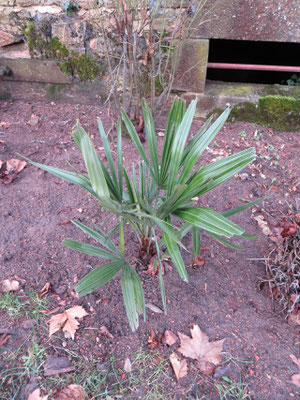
(245, 111)
(50, 48)
(237, 90)
(277, 112)
(280, 112)
(280, 90)
(85, 67)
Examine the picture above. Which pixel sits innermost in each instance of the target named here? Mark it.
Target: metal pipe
(253, 67)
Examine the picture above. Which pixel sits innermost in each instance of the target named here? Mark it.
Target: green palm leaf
(209, 220)
(92, 162)
(98, 277)
(133, 295)
(88, 249)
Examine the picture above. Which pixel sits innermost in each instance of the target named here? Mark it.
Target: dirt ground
(223, 297)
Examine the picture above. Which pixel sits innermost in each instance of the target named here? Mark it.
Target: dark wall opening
(249, 52)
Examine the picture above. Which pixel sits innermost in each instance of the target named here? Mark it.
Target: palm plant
(148, 197)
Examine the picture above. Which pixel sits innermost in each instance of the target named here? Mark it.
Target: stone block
(191, 71)
(6, 38)
(14, 51)
(34, 71)
(76, 93)
(73, 34)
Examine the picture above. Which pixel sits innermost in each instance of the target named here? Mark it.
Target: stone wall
(73, 30)
(269, 20)
(263, 20)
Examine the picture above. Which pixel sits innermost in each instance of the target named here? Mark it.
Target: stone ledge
(32, 70)
(78, 93)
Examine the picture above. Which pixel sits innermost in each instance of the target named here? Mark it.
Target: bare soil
(223, 297)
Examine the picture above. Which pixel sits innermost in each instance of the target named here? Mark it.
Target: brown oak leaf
(179, 366)
(67, 321)
(198, 347)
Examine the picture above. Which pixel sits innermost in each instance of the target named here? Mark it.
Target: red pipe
(253, 67)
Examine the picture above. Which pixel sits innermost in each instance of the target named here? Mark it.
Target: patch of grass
(232, 390)
(23, 364)
(34, 359)
(144, 380)
(36, 305)
(148, 371)
(29, 305)
(10, 303)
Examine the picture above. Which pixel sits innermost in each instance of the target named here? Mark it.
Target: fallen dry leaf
(4, 338)
(103, 331)
(127, 365)
(34, 120)
(71, 392)
(180, 367)
(45, 289)
(67, 321)
(36, 395)
(10, 169)
(288, 228)
(9, 285)
(198, 261)
(198, 347)
(170, 338)
(262, 223)
(295, 360)
(4, 125)
(294, 318)
(154, 308)
(296, 380)
(47, 312)
(154, 342)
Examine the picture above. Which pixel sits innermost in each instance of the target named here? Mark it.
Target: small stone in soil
(57, 365)
(223, 371)
(61, 290)
(28, 323)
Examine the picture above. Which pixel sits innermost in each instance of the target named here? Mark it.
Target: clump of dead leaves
(283, 267)
(197, 347)
(70, 392)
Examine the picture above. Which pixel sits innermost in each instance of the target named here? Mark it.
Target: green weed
(232, 391)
